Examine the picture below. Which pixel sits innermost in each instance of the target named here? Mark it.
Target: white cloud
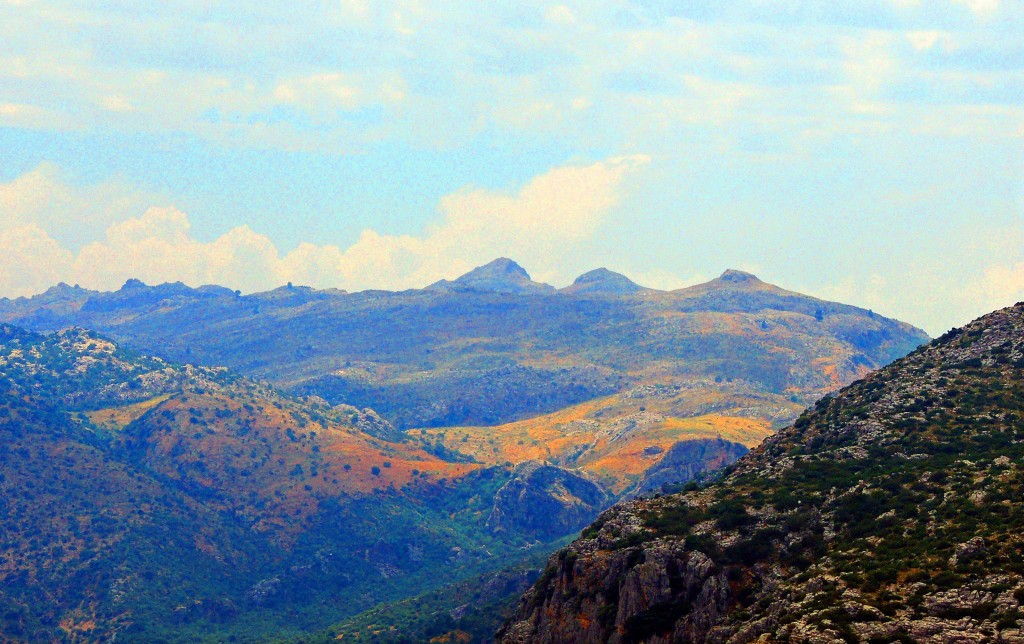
(942, 291)
(870, 63)
(49, 200)
(331, 86)
(983, 8)
(559, 14)
(221, 75)
(158, 247)
(535, 224)
(1002, 285)
(323, 93)
(557, 209)
(923, 40)
(116, 103)
(30, 261)
(25, 115)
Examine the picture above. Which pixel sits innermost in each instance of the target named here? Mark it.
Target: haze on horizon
(863, 151)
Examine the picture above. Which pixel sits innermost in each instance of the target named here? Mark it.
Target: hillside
(616, 439)
(169, 502)
(493, 346)
(890, 511)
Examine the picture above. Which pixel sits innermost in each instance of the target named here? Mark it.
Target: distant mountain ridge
(492, 346)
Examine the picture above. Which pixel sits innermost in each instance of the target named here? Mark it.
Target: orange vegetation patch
(275, 461)
(116, 418)
(614, 439)
(70, 625)
(624, 461)
(542, 437)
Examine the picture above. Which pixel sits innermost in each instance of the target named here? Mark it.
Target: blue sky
(865, 151)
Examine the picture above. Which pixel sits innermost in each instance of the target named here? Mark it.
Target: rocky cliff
(689, 460)
(889, 512)
(545, 501)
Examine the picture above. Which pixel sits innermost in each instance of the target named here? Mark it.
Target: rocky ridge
(889, 512)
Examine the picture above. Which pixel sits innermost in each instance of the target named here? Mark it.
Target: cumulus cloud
(159, 247)
(1002, 285)
(535, 223)
(556, 209)
(30, 260)
(45, 198)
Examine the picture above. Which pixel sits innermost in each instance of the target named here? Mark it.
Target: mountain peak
(731, 281)
(500, 267)
(499, 276)
(738, 277)
(602, 280)
(64, 290)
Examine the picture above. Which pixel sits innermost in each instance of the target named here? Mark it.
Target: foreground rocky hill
(891, 511)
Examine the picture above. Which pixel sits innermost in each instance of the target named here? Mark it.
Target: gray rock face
(591, 593)
(544, 501)
(687, 460)
(369, 422)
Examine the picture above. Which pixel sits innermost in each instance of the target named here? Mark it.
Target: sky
(865, 151)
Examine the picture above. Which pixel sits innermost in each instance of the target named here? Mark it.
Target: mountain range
(227, 465)
(492, 346)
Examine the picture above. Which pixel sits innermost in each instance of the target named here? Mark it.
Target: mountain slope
(618, 438)
(889, 512)
(164, 502)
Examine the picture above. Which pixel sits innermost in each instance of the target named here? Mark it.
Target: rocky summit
(499, 276)
(889, 512)
(603, 281)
